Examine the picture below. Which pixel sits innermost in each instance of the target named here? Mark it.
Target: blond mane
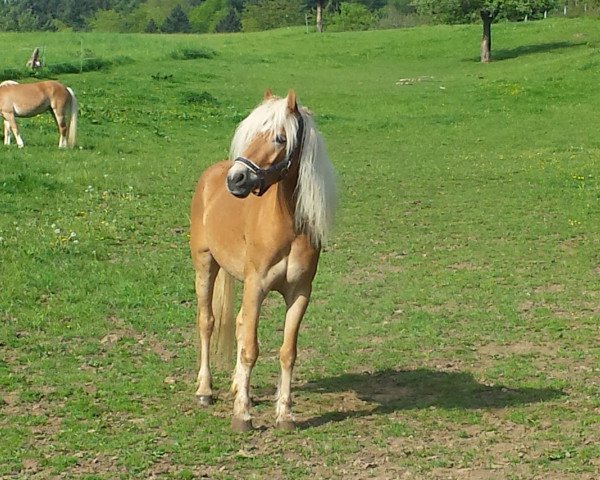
(316, 195)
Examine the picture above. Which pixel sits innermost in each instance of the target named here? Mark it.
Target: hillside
(454, 322)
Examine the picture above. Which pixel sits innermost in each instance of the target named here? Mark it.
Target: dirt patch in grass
(517, 348)
(368, 275)
(146, 341)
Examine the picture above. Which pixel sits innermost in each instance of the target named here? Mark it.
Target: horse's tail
(223, 338)
(72, 134)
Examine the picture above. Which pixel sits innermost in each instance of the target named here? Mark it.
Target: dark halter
(277, 171)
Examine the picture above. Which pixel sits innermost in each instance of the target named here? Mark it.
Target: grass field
(454, 326)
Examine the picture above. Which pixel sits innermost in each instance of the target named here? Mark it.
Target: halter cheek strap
(277, 171)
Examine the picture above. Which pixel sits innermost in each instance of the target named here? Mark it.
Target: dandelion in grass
(63, 239)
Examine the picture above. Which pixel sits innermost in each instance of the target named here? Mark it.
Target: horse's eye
(280, 139)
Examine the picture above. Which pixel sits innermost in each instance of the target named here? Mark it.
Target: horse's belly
(232, 265)
(27, 111)
(226, 244)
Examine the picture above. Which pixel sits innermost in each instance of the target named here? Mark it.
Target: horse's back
(46, 89)
(29, 99)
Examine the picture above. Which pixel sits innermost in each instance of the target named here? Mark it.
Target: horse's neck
(286, 197)
(286, 190)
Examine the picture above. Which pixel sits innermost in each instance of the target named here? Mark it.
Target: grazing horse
(261, 218)
(30, 99)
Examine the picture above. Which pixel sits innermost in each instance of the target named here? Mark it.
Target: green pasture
(454, 327)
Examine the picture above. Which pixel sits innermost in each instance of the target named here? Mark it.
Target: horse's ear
(291, 101)
(268, 94)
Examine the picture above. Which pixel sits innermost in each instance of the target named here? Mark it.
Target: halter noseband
(277, 171)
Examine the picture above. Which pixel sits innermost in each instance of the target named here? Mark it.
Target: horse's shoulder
(213, 176)
(216, 171)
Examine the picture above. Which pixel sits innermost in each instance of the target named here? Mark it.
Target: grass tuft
(199, 98)
(192, 53)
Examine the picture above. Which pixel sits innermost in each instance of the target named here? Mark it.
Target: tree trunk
(320, 16)
(486, 40)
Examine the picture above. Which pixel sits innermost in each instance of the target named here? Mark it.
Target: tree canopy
(210, 16)
(465, 11)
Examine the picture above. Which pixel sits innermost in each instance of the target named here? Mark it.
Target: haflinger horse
(261, 218)
(30, 99)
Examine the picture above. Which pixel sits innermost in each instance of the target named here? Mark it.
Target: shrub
(268, 14)
(88, 65)
(352, 16)
(11, 74)
(203, 98)
(192, 53)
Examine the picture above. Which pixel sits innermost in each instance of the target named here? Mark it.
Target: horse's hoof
(287, 425)
(205, 400)
(239, 425)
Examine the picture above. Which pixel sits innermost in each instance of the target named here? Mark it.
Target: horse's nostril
(239, 178)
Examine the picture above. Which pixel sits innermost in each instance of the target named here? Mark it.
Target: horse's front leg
(206, 272)
(7, 134)
(10, 118)
(247, 354)
(296, 302)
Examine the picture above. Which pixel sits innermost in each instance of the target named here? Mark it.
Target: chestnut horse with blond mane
(31, 99)
(261, 218)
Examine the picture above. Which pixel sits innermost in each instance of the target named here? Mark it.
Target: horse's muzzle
(241, 182)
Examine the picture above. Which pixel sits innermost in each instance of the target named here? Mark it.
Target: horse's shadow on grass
(392, 390)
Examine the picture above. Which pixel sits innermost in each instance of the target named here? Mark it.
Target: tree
(106, 21)
(352, 16)
(27, 21)
(320, 16)
(151, 27)
(138, 20)
(205, 16)
(527, 9)
(460, 11)
(268, 14)
(76, 12)
(229, 23)
(488, 13)
(159, 10)
(176, 22)
(319, 7)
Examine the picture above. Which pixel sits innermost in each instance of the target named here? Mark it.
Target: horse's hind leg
(296, 307)
(206, 272)
(62, 128)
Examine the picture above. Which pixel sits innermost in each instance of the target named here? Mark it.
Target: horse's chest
(283, 273)
(290, 270)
